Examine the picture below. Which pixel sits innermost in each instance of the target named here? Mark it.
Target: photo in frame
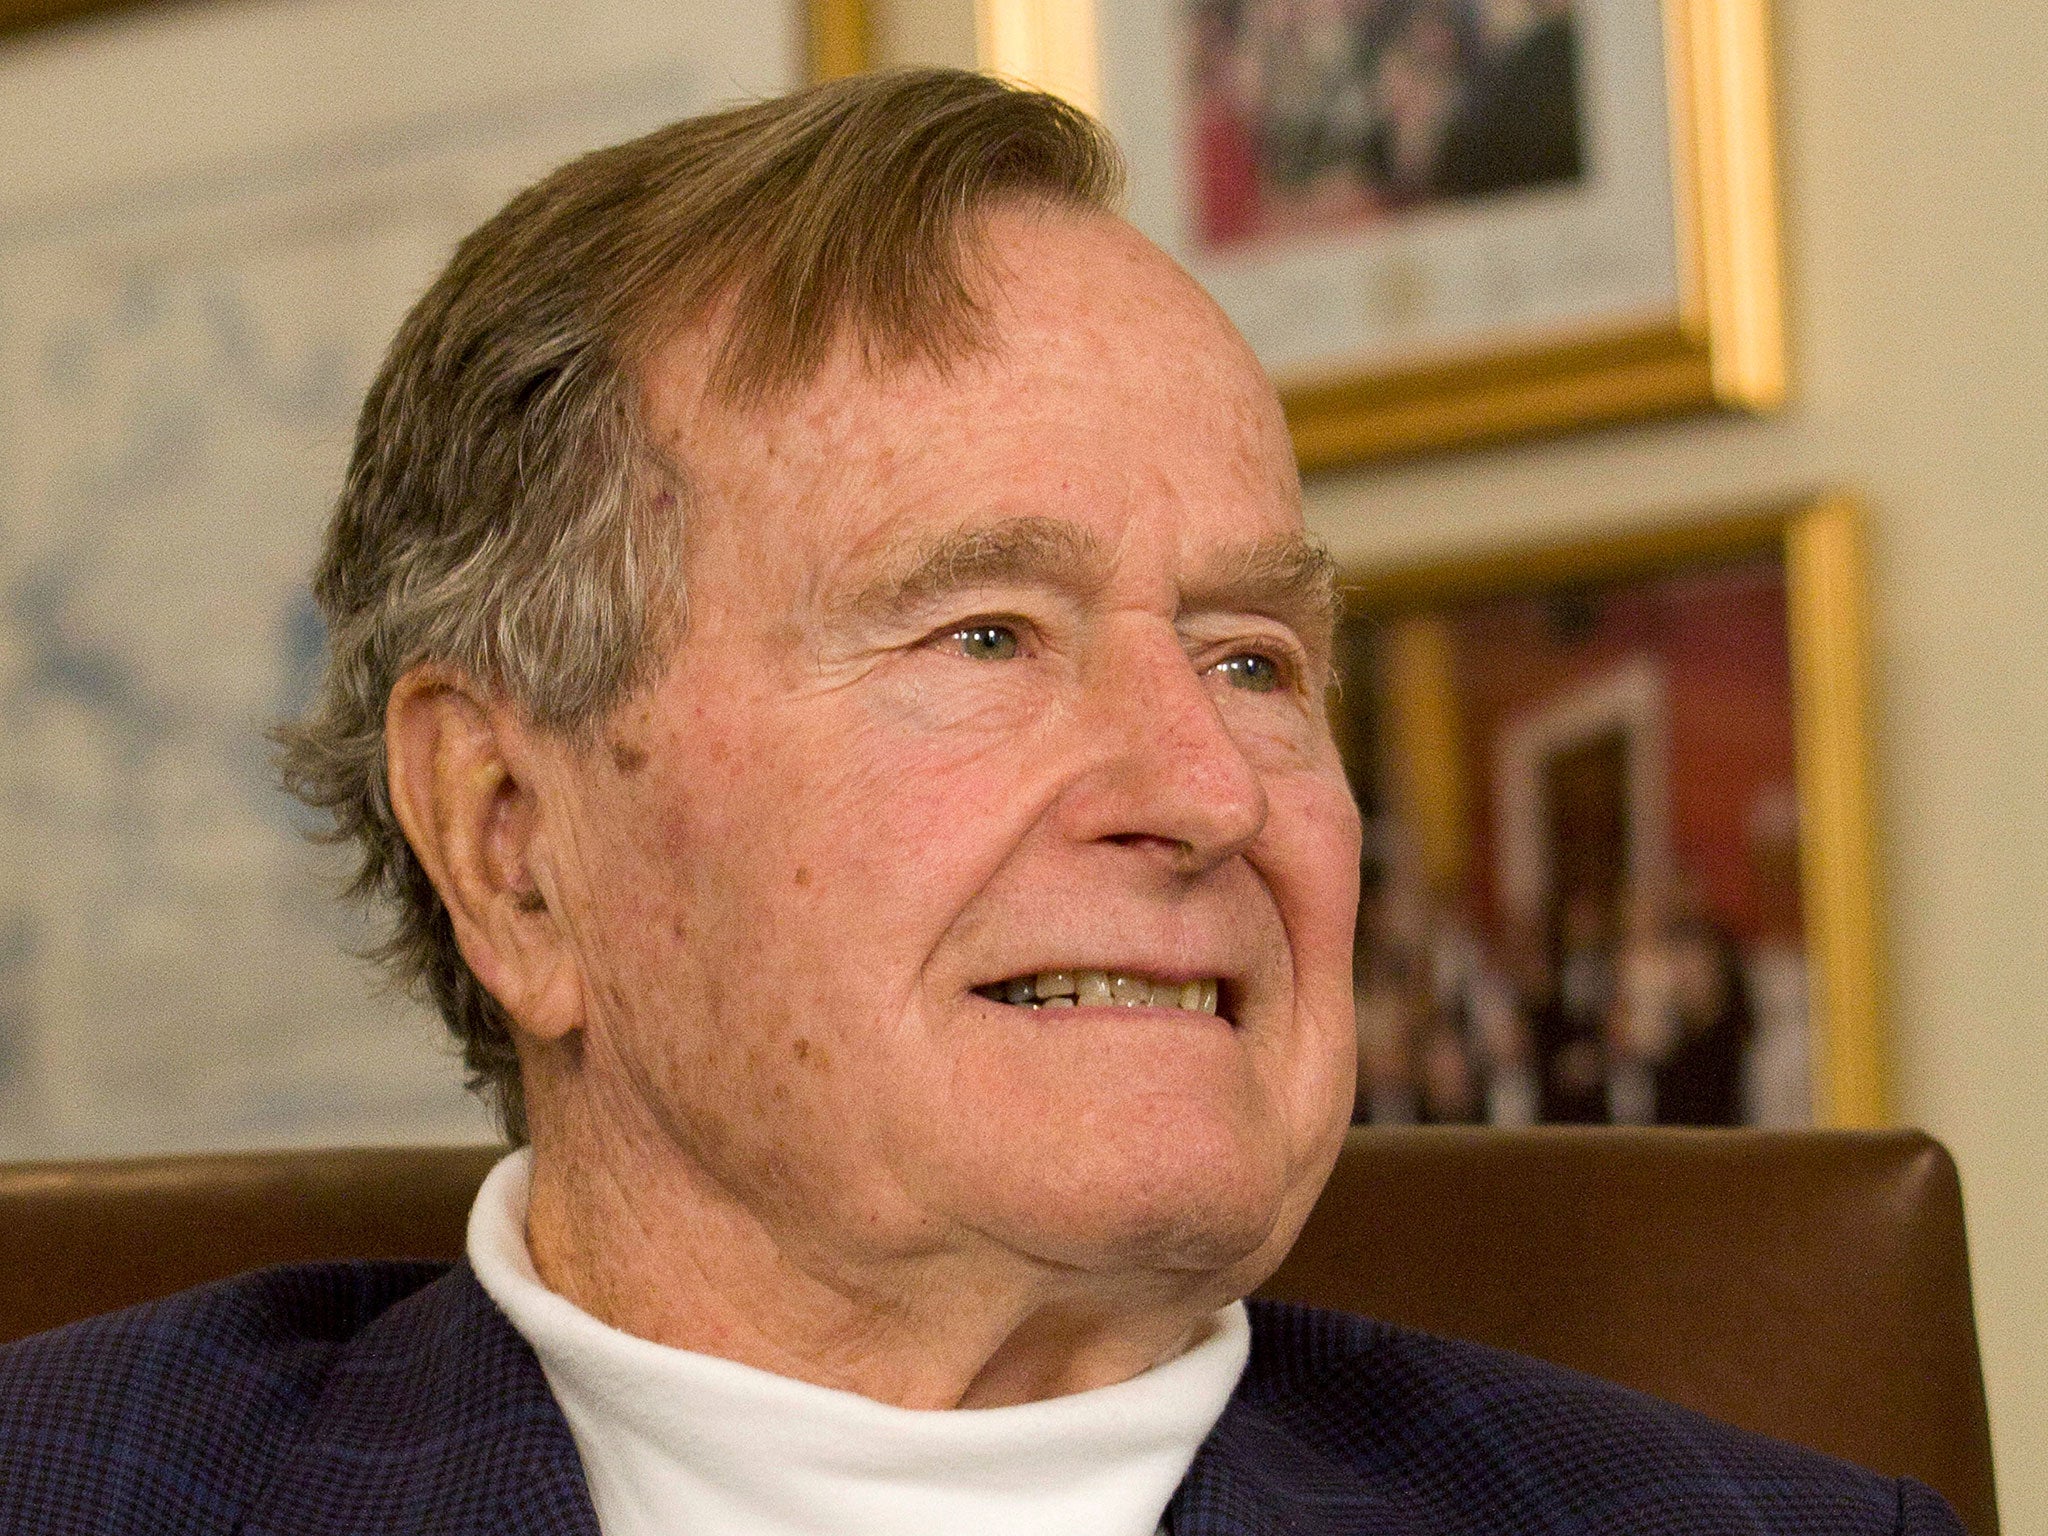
(1446, 221)
(1619, 863)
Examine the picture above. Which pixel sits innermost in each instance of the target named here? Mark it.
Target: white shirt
(675, 1441)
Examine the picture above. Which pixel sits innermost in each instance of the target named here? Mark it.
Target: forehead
(1111, 393)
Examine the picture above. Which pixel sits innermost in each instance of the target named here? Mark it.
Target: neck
(656, 1249)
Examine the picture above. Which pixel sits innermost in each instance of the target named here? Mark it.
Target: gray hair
(505, 513)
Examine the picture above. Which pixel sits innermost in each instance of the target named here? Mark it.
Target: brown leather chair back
(78, 1239)
(1812, 1286)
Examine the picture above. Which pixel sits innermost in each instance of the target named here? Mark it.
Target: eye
(1251, 671)
(986, 642)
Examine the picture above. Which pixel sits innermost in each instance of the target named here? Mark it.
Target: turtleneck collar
(675, 1441)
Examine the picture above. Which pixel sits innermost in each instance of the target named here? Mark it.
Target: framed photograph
(1443, 221)
(1619, 862)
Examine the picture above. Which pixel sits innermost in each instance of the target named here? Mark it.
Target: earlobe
(463, 774)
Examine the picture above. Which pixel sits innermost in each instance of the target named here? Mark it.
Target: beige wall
(1915, 144)
(923, 32)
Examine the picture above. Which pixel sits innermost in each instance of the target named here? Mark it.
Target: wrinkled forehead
(1108, 391)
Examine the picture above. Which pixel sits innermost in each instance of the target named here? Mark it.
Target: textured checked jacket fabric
(395, 1398)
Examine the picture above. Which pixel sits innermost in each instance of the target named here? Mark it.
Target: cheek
(922, 789)
(1310, 857)
(1309, 861)
(833, 842)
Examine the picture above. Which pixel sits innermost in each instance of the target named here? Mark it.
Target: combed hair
(505, 513)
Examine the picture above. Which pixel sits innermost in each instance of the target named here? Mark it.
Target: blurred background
(212, 215)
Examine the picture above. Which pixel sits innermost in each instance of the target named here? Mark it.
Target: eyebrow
(1018, 551)
(1288, 577)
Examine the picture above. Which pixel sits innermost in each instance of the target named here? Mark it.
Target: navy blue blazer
(351, 1399)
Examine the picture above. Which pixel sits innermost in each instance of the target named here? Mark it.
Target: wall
(212, 218)
(1915, 145)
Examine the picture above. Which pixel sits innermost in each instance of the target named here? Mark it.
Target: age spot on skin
(802, 1048)
(803, 874)
(628, 758)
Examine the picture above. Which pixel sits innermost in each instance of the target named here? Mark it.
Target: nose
(1163, 774)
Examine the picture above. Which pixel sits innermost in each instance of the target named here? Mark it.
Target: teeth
(1053, 984)
(1101, 989)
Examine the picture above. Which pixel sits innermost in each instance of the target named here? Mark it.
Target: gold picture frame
(17, 16)
(1721, 345)
(841, 36)
(1819, 544)
(838, 33)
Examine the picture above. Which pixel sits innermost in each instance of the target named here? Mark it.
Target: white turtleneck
(675, 1441)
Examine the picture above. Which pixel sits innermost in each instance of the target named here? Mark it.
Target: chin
(1192, 1236)
(1140, 1150)
(1173, 1193)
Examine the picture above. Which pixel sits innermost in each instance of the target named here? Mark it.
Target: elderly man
(827, 671)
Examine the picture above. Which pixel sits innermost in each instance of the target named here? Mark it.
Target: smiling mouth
(1107, 989)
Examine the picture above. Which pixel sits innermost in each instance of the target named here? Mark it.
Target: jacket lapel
(1255, 1477)
(435, 1421)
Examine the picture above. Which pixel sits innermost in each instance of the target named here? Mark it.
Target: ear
(465, 775)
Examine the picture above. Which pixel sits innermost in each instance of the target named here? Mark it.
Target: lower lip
(1101, 1011)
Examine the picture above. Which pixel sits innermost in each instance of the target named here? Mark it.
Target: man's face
(1009, 670)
